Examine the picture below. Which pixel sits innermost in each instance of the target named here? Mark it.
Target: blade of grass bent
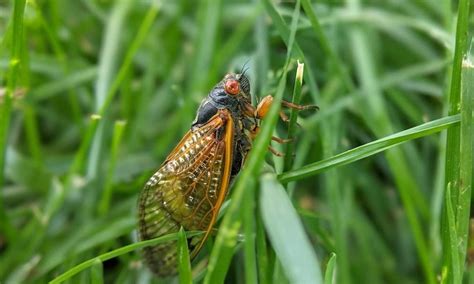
(117, 252)
(371, 148)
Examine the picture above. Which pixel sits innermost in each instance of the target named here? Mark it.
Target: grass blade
(184, 263)
(59, 87)
(371, 148)
(453, 140)
(104, 203)
(466, 160)
(249, 228)
(285, 34)
(288, 164)
(106, 68)
(104, 93)
(263, 258)
(97, 272)
(284, 227)
(15, 70)
(115, 253)
(318, 30)
(455, 272)
(330, 275)
(142, 32)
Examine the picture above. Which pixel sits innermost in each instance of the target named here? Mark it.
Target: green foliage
(183, 258)
(281, 221)
(94, 95)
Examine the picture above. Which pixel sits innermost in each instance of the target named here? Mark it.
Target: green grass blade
(455, 270)
(285, 34)
(14, 76)
(97, 272)
(161, 60)
(463, 208)
(104, 203)
(249, 224)
(205, 42)
(104, 93)
(288, 163)
(330, 275)
(32, 134)
(77, 165)
(376, 116)
(60, 87)
(184, 263)
(324, 42)
(453, 138)
(115, 253)
(371, 148)
(142, 33)
(106, 68)
(284, 227)
(263, 259)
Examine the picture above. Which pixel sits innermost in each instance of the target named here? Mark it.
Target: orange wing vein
(188, 190)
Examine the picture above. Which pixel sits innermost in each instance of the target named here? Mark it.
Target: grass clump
(376, 186)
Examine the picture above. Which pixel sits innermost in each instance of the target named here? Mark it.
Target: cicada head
(236, 85)
(234, 88)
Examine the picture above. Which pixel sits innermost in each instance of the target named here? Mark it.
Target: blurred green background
(95, 94)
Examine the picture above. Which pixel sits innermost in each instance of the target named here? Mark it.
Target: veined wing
(188, 190)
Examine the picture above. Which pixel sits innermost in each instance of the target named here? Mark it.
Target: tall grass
(96, 93)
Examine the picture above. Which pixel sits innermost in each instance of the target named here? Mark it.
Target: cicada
(190, 186)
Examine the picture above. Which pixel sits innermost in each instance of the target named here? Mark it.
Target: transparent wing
(188, 191)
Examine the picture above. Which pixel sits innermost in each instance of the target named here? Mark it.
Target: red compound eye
(232, 87)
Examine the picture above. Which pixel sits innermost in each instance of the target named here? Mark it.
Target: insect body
(190, 186)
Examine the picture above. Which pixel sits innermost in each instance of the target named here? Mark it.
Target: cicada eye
(232, 87)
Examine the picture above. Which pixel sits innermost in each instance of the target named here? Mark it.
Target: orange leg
(263, 107)
(261, 111)
(276, 152)
(265, 104)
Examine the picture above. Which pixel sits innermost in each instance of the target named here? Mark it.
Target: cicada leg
(281, 140)
(265, 104)
(261, 111)
(276, 152)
